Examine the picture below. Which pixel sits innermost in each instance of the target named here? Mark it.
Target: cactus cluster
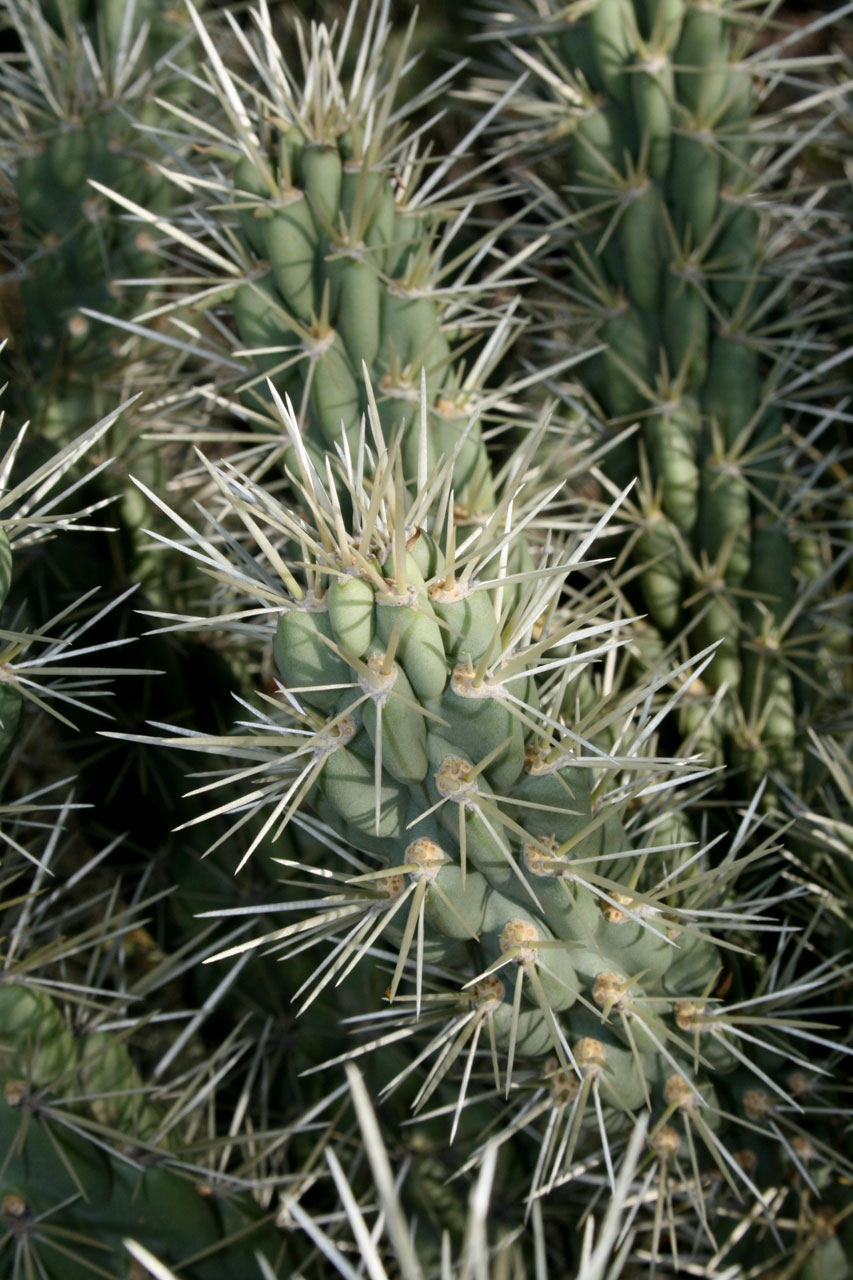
(95, 1154)
(351, 248)
(67, 1199)
(567, 883)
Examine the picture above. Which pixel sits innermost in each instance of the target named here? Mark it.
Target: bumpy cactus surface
(85, 1146)
(67, 1199)
(329, 242)
(95, 1153)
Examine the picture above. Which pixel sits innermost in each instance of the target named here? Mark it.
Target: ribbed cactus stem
(424, 729)
(669, 252)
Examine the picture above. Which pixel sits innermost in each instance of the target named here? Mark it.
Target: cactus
(37, 663)
(92, 1152)
(81, 110)
(68, 1196)
(480, 797)
(89, 1155)
(330, 243)
(78, 95)
(483, 839)
(681, 265)
(479, 1255)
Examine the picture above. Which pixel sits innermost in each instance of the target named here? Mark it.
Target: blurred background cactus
(654, 142)
(424, 701)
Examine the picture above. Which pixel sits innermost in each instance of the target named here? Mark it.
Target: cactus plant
(488, 859)
(329, 242)
(92, 1152)
(481, 835)
(483, 840)
(80, 95)
(698, 281)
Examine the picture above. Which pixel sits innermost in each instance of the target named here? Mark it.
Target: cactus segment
(79, 92)
(731, 390)
(405, 611)
(393, 719)
(615, 374)
(467, 616)
(597, 146)
(701, 58)
(351, 614)
(717, 625)
(686, 327)
(724, 516)
(290, 242)
(306, 656)
(640, 235)
(336, 402)
(479, 834)
(348, 783)
(694, 192)
(322, 167)
(247, 180)
(652, 91)
(663, 580)
(359, 309)
(734, 258)
(475, 714)
(673, 443)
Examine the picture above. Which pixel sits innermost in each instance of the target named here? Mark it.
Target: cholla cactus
(670, 247)
(92, 1151)
(602, 1252)
(78, 100)
(79, 106)
(391, 1246)
(323, 238)
(483, 851)
(553, 950)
